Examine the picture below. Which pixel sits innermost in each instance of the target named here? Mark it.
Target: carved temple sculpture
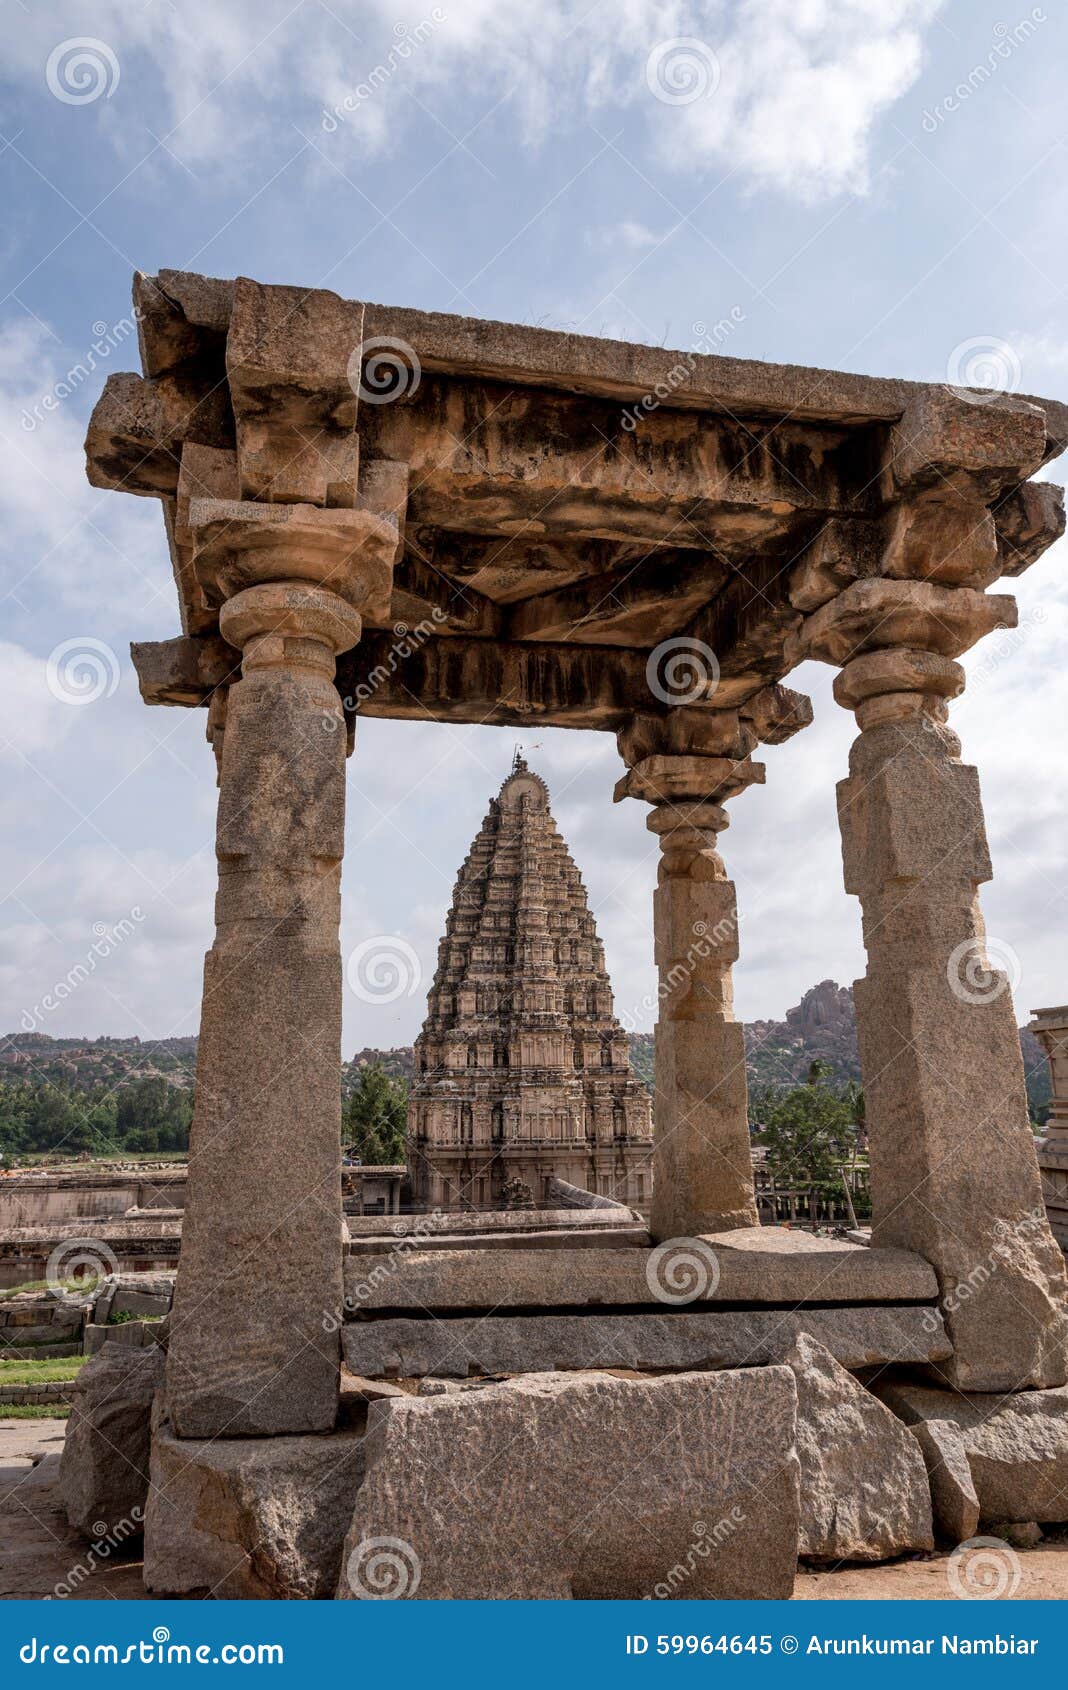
(557, 561)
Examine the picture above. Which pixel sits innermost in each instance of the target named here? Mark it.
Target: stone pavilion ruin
(584, 534)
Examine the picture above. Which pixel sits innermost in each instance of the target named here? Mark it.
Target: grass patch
(81, 1287)
(53, 1370)
(34, 1410)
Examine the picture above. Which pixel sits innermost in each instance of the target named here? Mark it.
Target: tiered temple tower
(521, 1069)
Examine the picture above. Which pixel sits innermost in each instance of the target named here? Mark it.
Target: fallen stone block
(864, 1490)
(647, 1341)
(954, 1501)
(593, 1488)
(1016, 1445)
(103, 1474)
(243, 1518)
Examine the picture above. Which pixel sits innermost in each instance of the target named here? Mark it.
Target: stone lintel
(946, 438)
(198, 313)
(184, 671)
(760, 1265)
(669, 1340)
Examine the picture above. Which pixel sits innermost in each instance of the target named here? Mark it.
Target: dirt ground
(41, 1557)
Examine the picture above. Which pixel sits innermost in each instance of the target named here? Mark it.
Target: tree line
(808, 1131)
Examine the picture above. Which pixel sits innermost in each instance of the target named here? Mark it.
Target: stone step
(754, 1265)
(487, 1345)
(635, 1236)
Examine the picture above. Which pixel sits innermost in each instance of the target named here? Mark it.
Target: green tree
(376, 1116)
(809, 1132)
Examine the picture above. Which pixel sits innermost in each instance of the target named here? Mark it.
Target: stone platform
(749, 1265)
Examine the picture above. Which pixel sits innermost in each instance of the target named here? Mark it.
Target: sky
(870, 185)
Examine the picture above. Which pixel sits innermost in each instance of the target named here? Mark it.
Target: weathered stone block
(647, 1342)
(104, 1470)
(864, 1491)
(750, 1265)
(873, 614)
(1016, 1444)
(944, 436)
(250, 1517)
(501, 1493)
(954, 1501)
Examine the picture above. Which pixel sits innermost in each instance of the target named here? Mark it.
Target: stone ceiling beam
(640, 603)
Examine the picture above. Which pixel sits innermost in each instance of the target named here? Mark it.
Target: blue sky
(865, 184)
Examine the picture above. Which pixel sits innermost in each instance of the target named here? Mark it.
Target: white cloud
(628, 236)
(789, 90)
(86, 546)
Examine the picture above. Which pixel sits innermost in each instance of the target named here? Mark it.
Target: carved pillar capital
(286, 622)
(239, 543)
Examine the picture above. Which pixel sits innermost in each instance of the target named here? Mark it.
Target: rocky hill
(823, 1027)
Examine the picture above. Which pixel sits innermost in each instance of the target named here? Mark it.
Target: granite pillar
(702, 1165)
(250, 1350)
(953, 1167)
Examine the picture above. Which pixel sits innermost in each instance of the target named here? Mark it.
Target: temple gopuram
(522, 1072)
